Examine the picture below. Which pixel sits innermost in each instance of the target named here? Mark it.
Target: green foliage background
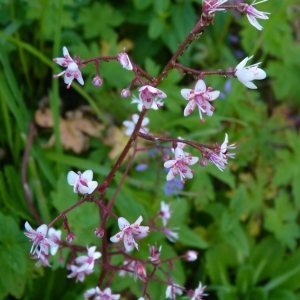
(244, 222)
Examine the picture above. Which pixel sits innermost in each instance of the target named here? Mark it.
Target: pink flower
(92, 292)
(201, 97)
(191, 255)
(72, 70)
(131, 125)
(42, 260)
(127, 232)
(180, 165)
(209, 7)
(140, 271)
(79, 272)
(164, 212)
(197, 295)
(130, 267)
(40, 243)
(172, 290)
(88, 261)
(217, 160)
(252, 13)
(82, 182)
(148, 94)
(125, 61)
(55, 237)
(246, 74)
(154, 253)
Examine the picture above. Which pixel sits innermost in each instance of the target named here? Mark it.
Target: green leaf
(155, 28)
(161, 6)
(190, 238)
(141, 5)
(244, 278)
(282, 294)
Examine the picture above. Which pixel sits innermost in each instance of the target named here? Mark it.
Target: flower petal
(185, 93)
(200, 86)
(92, 186)
(117, 237)
(189, 108)
(87, 175)
(72, 178)
(123, 223)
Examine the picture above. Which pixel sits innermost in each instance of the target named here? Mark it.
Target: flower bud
(99, 232)
(203, 162)
(97, 81)
(125, 93)
(191, 255)
(140, 271)
(70, 237)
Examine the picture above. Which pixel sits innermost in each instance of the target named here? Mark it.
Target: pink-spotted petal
(66, 53)
(138, 221)
(191, 160)
(79, 78)
(189, 108)
(209, 110)
(42, 229)
(185, 93)
(213, 95)
(200, 86)
(123, 223)
(129, 243)
(171, 174)
(117, 237)
(169, 163)
(188, 173)
(179, 154)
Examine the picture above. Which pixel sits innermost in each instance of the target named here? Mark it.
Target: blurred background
(244, 222)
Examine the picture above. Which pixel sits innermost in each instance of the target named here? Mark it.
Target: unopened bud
(99, 232)
(191, 255)
(97, 81)
(70, 237)
(140, 271)
(125, 93)
(203, 162)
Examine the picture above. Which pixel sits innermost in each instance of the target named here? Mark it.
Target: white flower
(131, 125)
(148, 94)
(40, 243)
(180, 165)
(209, 7)
(164, 212)
(127, 232)
(88, 261)
(201, 97)
(156, 104)
(253, 13)
(72, 72)
(246, 74)
(99, 295)
(82, 182)
(197, 295)
(54, 236)
(92, 292)
(172, 236)
(79, 272)
(172, 290)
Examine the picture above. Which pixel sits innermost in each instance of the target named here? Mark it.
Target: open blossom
(83, 182)
(156, 104)
(72, 68)
(164, 212)
(172, 290)
(198, 293)
(225, 148)
(253, 14)
(246, 74)
(40, 244)
(179, 165)
(148, 95)
(97, 294)
(79, 272)
(127, 232)
(89, 260)
(209, 7)
(200, 96)
(125, 61)
(131, 125)
(54, 236)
